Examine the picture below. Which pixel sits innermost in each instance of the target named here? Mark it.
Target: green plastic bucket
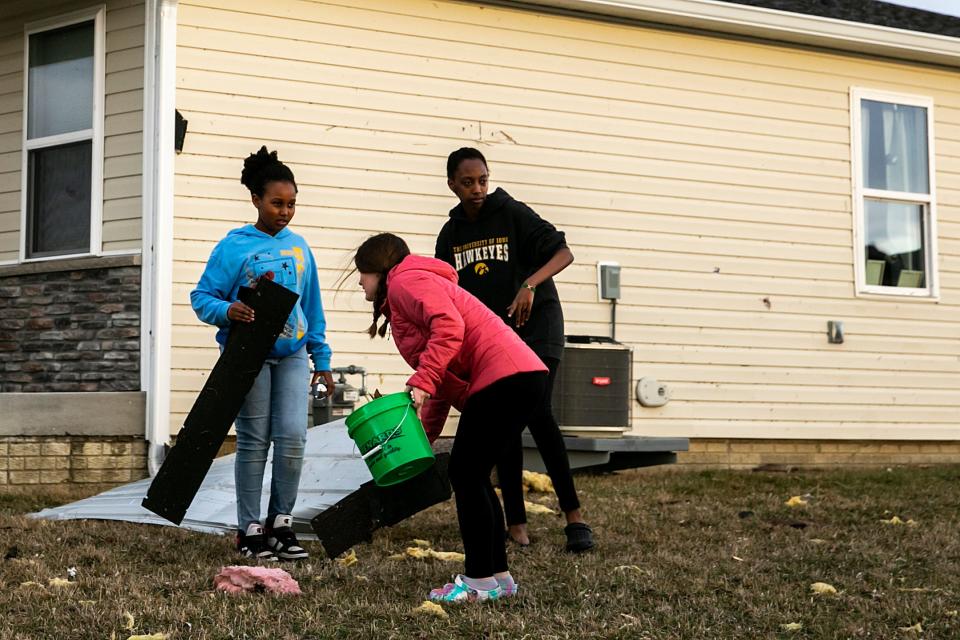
(391, 439)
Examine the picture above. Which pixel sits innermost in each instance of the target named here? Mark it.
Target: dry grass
(682, 555)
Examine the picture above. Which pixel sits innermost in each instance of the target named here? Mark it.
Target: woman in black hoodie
(506, 255)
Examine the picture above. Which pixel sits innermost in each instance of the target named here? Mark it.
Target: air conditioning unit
(591, 393)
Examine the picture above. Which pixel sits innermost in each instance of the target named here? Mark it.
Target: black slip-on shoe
(579, 537)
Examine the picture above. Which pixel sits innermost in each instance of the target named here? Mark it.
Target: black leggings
(546, 433)
(491, 420)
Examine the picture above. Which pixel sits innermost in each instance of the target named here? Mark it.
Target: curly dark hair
(262, 167)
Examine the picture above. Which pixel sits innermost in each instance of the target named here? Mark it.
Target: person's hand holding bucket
(419, 396)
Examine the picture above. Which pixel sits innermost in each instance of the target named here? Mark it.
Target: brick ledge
(70, 264)
(107, 413)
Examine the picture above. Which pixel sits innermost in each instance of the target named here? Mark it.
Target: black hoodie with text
(496, 253)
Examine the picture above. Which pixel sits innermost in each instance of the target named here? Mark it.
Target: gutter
(159, 89)
(767, 24)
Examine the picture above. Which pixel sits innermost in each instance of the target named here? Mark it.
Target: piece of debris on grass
(423, 544)
(796, 501)
(791, 626)
(11, 553)
(30, 584)
(774, 467)
(823, 589)
(397, 556)
(537, 509)
(912, 629)
(422, 554)
(896, 521)
(151, 636)
(737, 558)
(952, 614)
(817, 541)
(629, 567)
(537, 482)
(348, 560)
(60, 583)
(431, 609)
(128, 621)
(240, 579)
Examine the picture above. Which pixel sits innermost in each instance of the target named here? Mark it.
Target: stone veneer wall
(70, 330)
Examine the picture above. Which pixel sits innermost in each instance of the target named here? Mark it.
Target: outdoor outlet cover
(651, 393)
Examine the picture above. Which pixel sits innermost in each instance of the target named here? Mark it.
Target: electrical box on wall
(651, 393)
(608, 280)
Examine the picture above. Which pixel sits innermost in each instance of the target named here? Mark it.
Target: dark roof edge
(751, 21)
(873, 12)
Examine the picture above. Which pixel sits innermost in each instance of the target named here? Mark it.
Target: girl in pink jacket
(465, 356)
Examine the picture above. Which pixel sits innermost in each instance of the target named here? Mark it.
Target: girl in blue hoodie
(275, 409)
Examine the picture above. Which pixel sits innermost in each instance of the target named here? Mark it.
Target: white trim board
(157, 216)
(770, 24)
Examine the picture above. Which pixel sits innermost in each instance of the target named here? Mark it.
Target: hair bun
(262, 167)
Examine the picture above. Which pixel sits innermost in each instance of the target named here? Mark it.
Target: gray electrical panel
(608, 280)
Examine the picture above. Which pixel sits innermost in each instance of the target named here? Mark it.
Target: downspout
(159, 88)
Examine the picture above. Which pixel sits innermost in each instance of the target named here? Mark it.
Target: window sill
(70, 264)
(919, 296)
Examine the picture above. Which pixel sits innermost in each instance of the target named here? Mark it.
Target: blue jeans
(275, 410)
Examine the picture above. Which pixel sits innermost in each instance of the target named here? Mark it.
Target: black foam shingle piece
(220, 400)
(354, 519)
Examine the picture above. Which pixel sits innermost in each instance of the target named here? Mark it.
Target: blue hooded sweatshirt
(240, 259)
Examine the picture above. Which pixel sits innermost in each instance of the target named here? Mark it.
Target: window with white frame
(62, 140)
(894, 194)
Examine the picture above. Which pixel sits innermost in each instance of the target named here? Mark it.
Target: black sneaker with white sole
(252, 544)
(282, 540)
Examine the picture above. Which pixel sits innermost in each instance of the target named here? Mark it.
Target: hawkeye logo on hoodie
(479, 252)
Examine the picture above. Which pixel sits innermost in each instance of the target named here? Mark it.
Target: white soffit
(771, 24)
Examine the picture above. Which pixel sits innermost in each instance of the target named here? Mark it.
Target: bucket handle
(379, 447)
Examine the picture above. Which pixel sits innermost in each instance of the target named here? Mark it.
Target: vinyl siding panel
(123, 118)
(715, 170)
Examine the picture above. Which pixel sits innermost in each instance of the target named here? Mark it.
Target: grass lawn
(681, 555)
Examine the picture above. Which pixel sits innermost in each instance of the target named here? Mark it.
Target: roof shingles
(873, 12)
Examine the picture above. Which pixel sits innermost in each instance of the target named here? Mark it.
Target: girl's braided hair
(379, 254)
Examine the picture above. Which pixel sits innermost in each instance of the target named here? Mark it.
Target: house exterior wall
(70, 380)
(123, 119)
(32, 460)
(716, 171)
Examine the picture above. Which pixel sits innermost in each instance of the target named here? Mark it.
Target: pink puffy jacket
(454, 342)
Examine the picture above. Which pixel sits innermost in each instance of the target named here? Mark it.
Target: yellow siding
(123, 121)
(716, 171)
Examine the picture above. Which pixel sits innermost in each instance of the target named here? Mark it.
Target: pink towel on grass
(238, 579)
